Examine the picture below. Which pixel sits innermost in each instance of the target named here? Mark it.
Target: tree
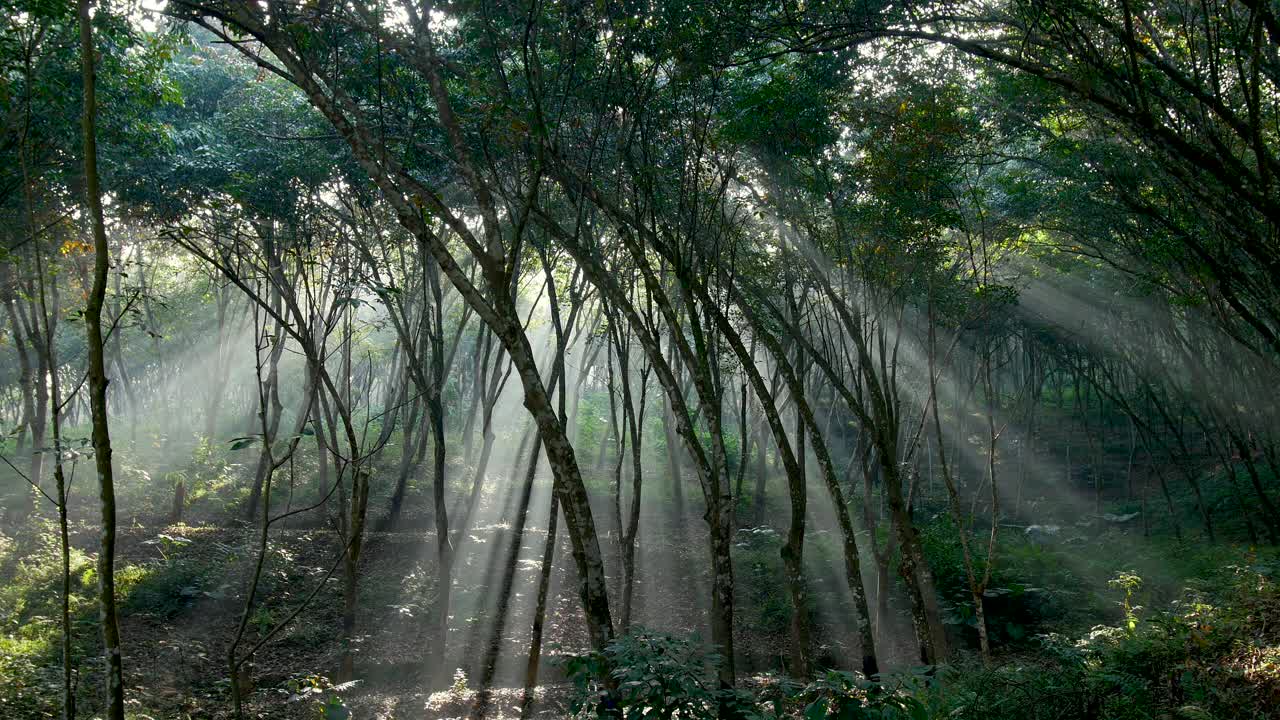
(98, 377)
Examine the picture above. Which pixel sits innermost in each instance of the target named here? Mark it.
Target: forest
(749, 359)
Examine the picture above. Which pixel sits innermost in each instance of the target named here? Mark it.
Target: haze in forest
(613, 359)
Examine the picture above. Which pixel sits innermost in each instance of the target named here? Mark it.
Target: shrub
(1207, 655)
(657, 675)
(845, 696)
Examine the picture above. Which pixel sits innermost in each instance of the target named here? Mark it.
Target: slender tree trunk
(116, 348)
(273, 411)
(40, 421)
(1270, 517)
(1128, 470)
(540, 612)
(636, 422)
(793, 562)
(762, 475)
(744, 448)
(883, 556)
(351, 570)
(558, 380)
(619, 432)
(61, 488)
(883, 588)
(409, 439)
(213, 401)
(114, 675)
(64, 540)
(503, 602)
(445, 551)
(852, 561)
(25, 378)
(673, 449)
(322, 452)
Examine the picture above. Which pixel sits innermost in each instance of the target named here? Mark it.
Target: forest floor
(181, 588)
(181, 606)
(181, 602)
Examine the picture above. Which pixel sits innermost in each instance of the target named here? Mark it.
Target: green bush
(1203, 656)
(30, 599)
(1209, 654)
(656, 675)
(846, 696)
(1032, 590)
(662, 676)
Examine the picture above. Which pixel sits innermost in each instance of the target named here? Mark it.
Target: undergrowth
(1213, 652)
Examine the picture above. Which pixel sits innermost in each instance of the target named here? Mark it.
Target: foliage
(1033, 588)
(1202, 656)
(321, 695)
(30, 587)
(846, 696)
(656, 675)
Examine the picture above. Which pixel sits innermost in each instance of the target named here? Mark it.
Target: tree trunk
(435, 414)
(351, 570)
(503, 599)
(636, 423)
(1270, 517)
(762, 475)
(915, 572)
(673, 449)
(540, 612)
(744, 448)
(273, 410)
(40, 421)
(409, 439)
(114, 675)
(213, 400)
(48, 321)
(25, 373)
